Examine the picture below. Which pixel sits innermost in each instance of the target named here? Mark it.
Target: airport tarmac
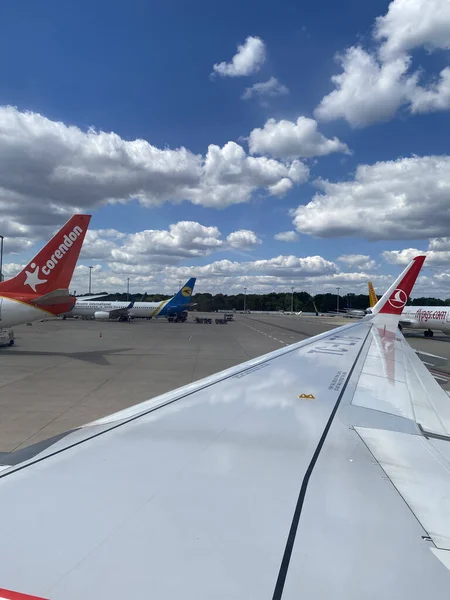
(63, 374)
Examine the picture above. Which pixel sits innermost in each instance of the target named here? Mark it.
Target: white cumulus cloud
(285, 266)
(436, 96)
(438, 254)
(265, 89)
(181, 240)
(281, 188)
(247, 60)
(402, 199)
(230, 176)
(285, 139)
(243, 239)
(48, 170)
(362, 262)
(410, 24)
(314, 274)
(286, 236)
(374, 85)
(97, 245)
(366, 91)
(149, 249)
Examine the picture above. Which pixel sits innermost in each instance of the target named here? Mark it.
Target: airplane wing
(87, 298)
(120, 312)
(320, 470)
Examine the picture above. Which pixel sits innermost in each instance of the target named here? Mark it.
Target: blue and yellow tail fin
(183, 296)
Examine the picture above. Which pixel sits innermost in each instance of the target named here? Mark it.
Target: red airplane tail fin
(52, 268)
(397, 295)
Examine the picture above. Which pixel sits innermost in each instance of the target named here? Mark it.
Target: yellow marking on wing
(307, 396)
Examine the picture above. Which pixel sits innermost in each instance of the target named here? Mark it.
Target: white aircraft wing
(321, 470)
(88, 298)
(115, 313)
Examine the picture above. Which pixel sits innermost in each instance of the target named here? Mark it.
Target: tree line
(274, 301)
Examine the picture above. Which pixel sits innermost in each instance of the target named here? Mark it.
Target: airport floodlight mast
(90, 279)
(337, 299)
(128, 288)
(245, 298)
(1, 257)
(292, 300)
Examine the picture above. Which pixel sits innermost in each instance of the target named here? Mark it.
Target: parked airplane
(123, 311)
(358, 313)
(428, 318)
(42, 287)
(318, 470)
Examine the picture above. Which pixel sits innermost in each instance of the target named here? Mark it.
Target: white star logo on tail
(33, 278)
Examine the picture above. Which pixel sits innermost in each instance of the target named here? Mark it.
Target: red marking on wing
(9, 595)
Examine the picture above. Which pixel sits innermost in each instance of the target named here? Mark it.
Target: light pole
(1, 258)
(338, 288)
(245, 298)
(90, 278)
(128, 289)
(292, 300)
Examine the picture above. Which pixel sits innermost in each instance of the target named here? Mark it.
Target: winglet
(393, 301)
(129, 307)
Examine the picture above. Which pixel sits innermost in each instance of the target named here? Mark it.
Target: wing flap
(430, 402)
(395, 381)
(421, 475)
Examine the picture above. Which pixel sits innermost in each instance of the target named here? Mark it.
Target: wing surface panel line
(284, 567)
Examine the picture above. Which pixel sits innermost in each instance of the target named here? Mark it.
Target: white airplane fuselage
(14, 312)
(86, 308)
(430, 318)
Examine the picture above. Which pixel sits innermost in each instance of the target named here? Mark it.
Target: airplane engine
(101, 315)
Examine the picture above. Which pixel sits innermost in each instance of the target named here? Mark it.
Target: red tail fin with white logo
(52, 268)
(393, 301)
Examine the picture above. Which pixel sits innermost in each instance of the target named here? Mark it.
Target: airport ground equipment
(7, 337)
(203, 320)
(178, 317)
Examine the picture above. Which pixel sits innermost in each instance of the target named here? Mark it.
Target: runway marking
(266, 334)
(189, 338)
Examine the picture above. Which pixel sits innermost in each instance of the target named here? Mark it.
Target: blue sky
(143, 71)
